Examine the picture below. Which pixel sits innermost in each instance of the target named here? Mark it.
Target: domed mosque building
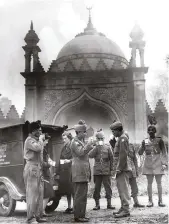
(90, 79)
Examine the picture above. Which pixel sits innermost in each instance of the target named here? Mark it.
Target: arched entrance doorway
(95, 114)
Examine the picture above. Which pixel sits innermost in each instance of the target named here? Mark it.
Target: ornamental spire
(90, 26)
(89, 30)
(31, 27)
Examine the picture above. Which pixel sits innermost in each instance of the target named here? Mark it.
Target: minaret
(137, 43)
(31, 49)
(33, 72)
(138, 122)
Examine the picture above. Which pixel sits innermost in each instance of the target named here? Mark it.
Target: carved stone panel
(113, 95)
(54, 99)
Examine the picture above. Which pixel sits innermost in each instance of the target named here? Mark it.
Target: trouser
(159, 186)
(98, 180)
(122, 180)
(34, 191)
(80, 199)
(134, 188)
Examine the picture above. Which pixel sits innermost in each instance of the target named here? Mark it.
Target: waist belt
(152, 153)
(102, 160)
(33, 163)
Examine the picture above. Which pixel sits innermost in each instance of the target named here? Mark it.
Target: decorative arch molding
(83, 96)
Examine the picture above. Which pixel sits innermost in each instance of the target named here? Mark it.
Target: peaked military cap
(115, 125)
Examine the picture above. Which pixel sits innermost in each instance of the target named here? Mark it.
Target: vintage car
(12, 187)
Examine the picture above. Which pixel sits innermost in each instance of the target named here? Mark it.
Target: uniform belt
(102, 160)
(33, 163)
(152, 153)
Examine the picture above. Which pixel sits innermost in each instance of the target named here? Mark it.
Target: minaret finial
(31, 27)
(89, 9)
(89, 25)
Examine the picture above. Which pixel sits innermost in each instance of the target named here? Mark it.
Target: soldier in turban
(155, 162)
(80, 170)
(33, 151)
(103, 167)
(122, 168)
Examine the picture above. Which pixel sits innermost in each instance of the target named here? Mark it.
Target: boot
(97, 207)
(114, 213)
(137, 204)
(160, 204)
(122, 214)
(150, 204)
(109, 206)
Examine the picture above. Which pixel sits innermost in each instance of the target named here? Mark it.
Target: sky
(58, 21)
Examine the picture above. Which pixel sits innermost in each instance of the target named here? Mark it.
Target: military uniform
(155, 157)
(123, 169)
(132, 180)
(102, 171)
(33, 177)
(81, 175)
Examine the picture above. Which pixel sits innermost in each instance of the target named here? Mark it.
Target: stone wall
(160, 113)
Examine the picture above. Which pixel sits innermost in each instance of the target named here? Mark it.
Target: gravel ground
(155, 215)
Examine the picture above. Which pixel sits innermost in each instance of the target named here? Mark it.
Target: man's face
(65, 139)
(82, 134)
(37, 132)
(151, 131)
(116, 133)
(100, 141)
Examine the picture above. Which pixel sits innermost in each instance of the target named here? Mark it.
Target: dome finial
(31, 27)
(89, 25)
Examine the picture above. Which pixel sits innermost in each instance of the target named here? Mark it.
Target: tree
(158, 89)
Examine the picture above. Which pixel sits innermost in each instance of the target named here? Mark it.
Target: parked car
(12, 188)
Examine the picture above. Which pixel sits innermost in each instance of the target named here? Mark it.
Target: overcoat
(80, 161)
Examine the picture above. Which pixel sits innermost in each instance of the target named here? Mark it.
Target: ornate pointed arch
(82, 97)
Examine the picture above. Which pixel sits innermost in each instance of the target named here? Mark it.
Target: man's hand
(55, 188)
(42, 138)
(113, 175)
(163, 167)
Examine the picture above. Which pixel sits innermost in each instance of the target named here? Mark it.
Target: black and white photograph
(84, 104)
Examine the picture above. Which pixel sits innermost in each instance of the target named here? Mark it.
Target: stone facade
(91, 79)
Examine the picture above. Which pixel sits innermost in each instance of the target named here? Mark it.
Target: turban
(116, 125)
(34, 126)
(81, 126)
(100, 134)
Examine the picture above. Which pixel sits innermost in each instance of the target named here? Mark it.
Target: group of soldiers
(115, 160)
